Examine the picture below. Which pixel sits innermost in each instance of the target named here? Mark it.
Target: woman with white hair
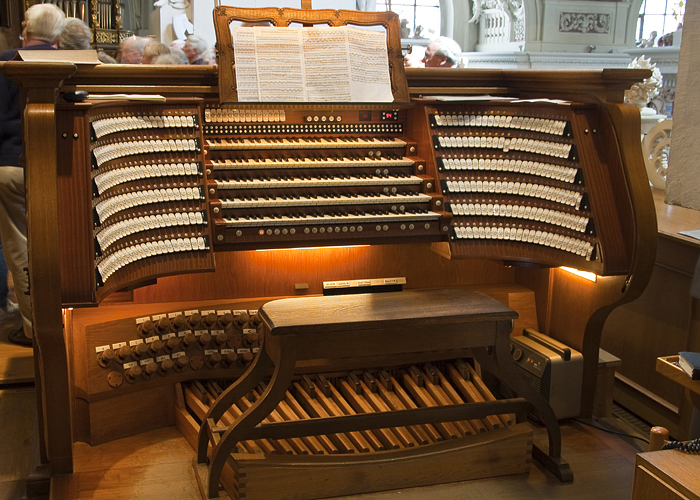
(76, 35)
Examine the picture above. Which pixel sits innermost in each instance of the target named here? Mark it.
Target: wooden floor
(158, 466)
(16, 363)
(17, 432)
(161, 469)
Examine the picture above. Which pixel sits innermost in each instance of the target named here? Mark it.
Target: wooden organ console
(181, 219)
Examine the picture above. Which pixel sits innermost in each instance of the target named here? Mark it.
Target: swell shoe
(19, 338)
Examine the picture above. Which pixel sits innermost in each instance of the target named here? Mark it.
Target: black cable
(684, 446)
(611, 431)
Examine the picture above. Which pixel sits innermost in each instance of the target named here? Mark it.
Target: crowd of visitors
(145, 50)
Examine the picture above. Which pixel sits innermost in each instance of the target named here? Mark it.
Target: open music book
(328, 64)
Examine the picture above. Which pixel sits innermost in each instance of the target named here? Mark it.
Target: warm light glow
(584, 274)
(308, 248)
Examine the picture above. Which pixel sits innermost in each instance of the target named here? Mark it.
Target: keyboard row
(295, 163)
(312, 201)
(305, 143)
(114, 204)
(318, 182)
(111, 125)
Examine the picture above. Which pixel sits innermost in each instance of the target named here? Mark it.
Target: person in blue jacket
(42, 28)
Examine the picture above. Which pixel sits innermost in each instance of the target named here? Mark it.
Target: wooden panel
(654, 325)
(127, 415)
(275, 273)
(666, 475)
(647, 486)
(155, 465)
(74, 208)
(660, 323)
(495, 453)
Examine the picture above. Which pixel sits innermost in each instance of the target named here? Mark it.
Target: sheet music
(314, 64)
(246, 64)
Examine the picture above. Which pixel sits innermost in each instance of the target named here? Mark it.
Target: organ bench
(349, 326)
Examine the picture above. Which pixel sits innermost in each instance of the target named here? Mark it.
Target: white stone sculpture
(656, 148)
(643, 92)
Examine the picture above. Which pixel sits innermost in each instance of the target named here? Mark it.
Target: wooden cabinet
(666, 475)
(663, 321)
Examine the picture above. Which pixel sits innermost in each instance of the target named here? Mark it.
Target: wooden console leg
(281, 351)
(246, 383)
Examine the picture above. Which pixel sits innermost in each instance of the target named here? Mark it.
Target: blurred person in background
(179, 55)
(443, 52)
(43, 25)
(130, 50)
(76, 35)
(152, 50)
(195, 47)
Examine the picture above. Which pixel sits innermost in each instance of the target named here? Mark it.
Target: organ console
(162, 230)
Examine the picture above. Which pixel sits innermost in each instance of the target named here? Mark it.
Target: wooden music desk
(358, 326)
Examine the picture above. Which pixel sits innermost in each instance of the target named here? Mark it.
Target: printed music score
(329, 64)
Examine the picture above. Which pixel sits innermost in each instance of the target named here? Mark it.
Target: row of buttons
(115, 261)
(551, 193)
(111, 151)
(106, 236)
(547, 126)
(541, 169)
(218, 115)
(305, 128)
(547, 148)
(576, 246)
(105, 126)
(540, 214)
(110, 178)
(218, 337)
(331, 230)
(114, 204)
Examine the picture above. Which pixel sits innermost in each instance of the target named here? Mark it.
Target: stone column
(683, 176)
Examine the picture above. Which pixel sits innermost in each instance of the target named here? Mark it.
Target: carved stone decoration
(518, 10)
(643, 92)
(579, 22)
(656, 148)
(514, 9)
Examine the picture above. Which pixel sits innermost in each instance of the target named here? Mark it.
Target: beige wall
(683, 176)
